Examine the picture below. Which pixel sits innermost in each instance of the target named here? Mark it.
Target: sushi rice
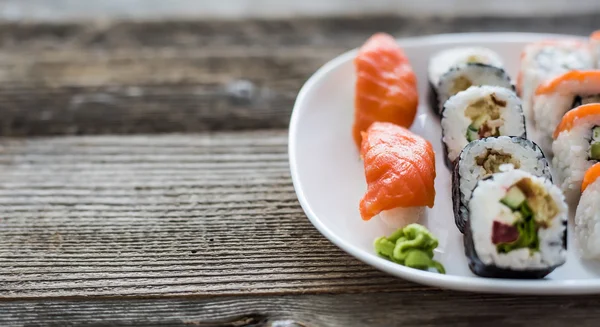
(573, 88)
(402, 216)
(587, 222)
(441, 62)
(595, 44)
(521, 152)
(571, 155)
(486, 209)
(461, 77)
(544, 60)
(455, 123)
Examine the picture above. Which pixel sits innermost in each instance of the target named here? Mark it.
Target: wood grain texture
(163, 215)
(190, 76)
(410, 308)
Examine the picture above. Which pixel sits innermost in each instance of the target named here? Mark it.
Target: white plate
(329, 178)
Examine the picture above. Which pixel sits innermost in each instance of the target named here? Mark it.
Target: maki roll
(516, 226)
(546, 59)
(445, 60)
(479, 112)
(576, 147)
(461, 77)
(556, 96)
(400, 173)
(482, 158)
(587, 217)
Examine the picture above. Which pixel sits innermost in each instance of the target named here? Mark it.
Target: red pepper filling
(503, 233)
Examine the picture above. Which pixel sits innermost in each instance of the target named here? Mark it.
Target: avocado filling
(492, 160)
(485, 117)
(533, 208)
(461, 83)
(595, 144)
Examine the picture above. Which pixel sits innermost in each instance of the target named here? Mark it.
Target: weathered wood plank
(206, 214)
(344, 31)
(411, 308)
(152, 77)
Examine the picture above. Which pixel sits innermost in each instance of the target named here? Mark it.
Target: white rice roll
(557, 96)
(587, 218)
(459, 116)
(490, 212)
(441, 62)
(461, 77)
(572, 148)
(481, 158)
(544, 60)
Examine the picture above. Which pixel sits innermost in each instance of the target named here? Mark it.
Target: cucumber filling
(485, 117)
(595, 144)
(533, 208)
(492, 160)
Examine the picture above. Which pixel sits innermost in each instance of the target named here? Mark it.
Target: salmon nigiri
(576, 147)
(386, 85)
(400, 173)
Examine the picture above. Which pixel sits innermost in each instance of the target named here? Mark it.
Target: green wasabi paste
(411, 246)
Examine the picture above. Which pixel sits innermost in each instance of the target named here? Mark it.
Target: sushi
(400, 172)
(546, 59)
(484, 157)
(461, 77)
(478, 112)
(445, 60)
(576, 147)
(595, 44)
(587, 217)
(516, 226)
(557, 96)
(386, 85)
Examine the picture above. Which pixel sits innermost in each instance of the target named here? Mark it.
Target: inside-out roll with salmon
(556, 96)
(595, 44)
(576, 147)
(386, 85)
(400, 173)
(546, 59)
(587, 217)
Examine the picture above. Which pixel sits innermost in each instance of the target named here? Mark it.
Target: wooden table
(144, 181)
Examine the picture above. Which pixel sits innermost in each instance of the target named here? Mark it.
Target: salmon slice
(595, 35)
(590, 175)
(386, 85)
(399, 169)
(573, 76)
(572, 116)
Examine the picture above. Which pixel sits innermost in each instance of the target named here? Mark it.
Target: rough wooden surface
(89, 224)
(413, 308)
(149, 77)
(163, 215)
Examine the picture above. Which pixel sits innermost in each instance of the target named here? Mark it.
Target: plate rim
(453, 282)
